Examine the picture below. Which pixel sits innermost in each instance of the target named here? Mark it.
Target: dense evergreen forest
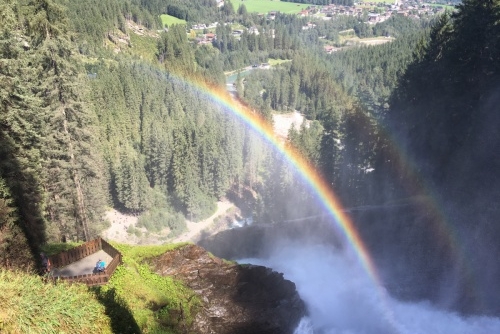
(82, 127)
(446, 114)
(126, 135)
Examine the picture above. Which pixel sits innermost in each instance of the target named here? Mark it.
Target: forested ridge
(83, 128)
(441, 118)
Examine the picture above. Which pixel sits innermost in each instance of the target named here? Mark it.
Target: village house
(199, 26)
(330, 49)
(308, 26)
(253, 30)
(210, 37)
(373, 17)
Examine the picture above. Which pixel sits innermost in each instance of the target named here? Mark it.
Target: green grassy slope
(265, 6)
(29, 305)
(168, 20)
(151, 302)
(135, 300)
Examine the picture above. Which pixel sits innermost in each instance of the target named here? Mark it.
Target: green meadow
(29, 305)
(447, 7)
(265, 6)
(388, 2)
(168, 20)
(274, 62)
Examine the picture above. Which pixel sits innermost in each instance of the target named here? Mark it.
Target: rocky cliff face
(236, 299)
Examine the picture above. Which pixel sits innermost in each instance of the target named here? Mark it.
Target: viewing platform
(79, 264)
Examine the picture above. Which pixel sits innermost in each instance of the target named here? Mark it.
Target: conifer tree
(67, 139)
(20, 126)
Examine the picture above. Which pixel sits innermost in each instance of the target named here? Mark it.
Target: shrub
(157, 219)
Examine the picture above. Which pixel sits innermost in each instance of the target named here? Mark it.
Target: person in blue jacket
(100, 265)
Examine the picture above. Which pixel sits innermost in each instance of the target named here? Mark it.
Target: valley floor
(122, 223)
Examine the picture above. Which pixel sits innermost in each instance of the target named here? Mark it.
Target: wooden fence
(72, 255)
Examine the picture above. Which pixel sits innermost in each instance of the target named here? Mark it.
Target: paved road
(83, 266)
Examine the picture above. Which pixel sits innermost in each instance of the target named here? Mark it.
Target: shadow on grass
(122, 321)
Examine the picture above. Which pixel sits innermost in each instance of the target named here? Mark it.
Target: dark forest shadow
(23, 182)
(122, 320)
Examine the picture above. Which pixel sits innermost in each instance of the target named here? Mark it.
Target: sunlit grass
(135, 300)
(143, 46)
(55, 248)
(152, 299)
(29, 305)
(168, 20)
(447, 7)
(266, 6)
(274, 62)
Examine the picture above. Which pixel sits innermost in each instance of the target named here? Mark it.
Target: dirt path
(120, 223)
(196, 228)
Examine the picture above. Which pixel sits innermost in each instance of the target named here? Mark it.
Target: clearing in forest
(387, 2)
(350, 41)
(168, 20)
(375, 40)
(266, 6)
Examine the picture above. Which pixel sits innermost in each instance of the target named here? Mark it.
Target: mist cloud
(342, 299)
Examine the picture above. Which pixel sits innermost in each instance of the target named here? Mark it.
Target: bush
(157, 219)
(132, 230)
(201, 206)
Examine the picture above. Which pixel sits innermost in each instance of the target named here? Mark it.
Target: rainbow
(428, 201)
(305, 169)
(312, 178)
(327, 197)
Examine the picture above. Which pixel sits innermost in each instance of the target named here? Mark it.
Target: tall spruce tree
(68, 160)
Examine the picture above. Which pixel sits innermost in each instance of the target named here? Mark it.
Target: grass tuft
(55, 248)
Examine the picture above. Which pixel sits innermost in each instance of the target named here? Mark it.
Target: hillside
(155, 291)
(31, 305)
(118, 119)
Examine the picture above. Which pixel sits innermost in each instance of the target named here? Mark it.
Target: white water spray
(342, 299)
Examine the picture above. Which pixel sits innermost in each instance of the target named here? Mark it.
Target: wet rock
(236, 298)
